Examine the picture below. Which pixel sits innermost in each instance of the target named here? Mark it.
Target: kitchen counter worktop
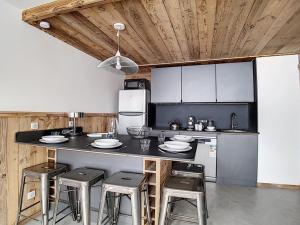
(130, 147)
(194, 132)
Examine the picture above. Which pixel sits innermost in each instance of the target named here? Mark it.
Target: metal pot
(174, 125)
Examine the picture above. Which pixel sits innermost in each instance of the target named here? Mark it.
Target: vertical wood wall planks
(15, 157)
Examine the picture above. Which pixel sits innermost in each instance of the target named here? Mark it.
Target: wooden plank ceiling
(174, 31)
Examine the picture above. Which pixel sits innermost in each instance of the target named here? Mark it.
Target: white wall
(41, 73)
(279, 120)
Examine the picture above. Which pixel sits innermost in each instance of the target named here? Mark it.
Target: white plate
(53, 137)
(54, 141)
(96, 135)
(184, 138)
(176, 144)
(164, 147)
(106, 146)
(107, 142)
(174, 139)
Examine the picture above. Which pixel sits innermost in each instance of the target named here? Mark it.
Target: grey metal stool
(126, 184)
(81, 179)
(183, 187)
(43, 173)
(191, 170)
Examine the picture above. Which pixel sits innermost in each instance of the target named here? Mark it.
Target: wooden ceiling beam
(59, 7)
(201, 62)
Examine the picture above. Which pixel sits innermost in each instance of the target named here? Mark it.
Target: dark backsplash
(220, 113)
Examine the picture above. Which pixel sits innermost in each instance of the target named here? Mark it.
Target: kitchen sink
(234, 131)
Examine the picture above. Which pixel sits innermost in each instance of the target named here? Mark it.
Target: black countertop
(218, 131)
(130, 147)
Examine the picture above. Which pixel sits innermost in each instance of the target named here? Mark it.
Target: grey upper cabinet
(237, 159)
(166, 85)
(235, 82)
(199, 83)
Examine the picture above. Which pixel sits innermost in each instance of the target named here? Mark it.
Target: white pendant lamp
(118, 61)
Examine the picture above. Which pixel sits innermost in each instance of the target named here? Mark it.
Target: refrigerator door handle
(131, 113)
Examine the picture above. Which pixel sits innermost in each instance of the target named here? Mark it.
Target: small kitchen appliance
(191, 123)
(137, 84)
(174, 125)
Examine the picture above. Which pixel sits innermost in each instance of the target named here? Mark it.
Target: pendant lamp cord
(118, 35)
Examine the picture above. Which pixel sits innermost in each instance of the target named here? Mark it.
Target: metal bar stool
(126, 184)
(43, 173)
(81, 179)
(187, 182)
(183, 187)
(191, 170)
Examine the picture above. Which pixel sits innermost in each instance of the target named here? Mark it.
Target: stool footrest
(29, 217)
(22, 210)
(179, 217)
(57, 221)
(182, 199)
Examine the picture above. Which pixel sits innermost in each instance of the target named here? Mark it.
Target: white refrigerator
(133, 108)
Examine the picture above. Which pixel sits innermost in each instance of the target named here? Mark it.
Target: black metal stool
(44, 173)
(82, 179)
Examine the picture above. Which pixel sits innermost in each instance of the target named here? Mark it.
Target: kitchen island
(78, 152)
(130, 146)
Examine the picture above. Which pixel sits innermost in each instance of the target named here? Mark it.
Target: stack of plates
(175, 146)
(183, 138)
(96, 135)
(53, 139)
(106, 143)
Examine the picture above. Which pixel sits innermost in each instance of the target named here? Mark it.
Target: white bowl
(210, 128)
(183, 137)
(107, 142)
(176, 144)
(53, 137)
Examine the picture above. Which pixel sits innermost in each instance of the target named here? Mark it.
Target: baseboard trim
(279, 186)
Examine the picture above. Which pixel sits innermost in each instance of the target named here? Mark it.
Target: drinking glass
(161, 137)
(145, 144)
(112, 128)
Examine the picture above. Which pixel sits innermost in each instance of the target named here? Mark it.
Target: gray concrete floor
(235, 205)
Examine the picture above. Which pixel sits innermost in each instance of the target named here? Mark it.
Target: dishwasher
(206, 154)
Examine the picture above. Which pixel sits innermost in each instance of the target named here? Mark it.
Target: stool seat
(184, 188)
(129, 184)
(81, 180)
(82, 176)
(48, 168)
(188, 184)
(126, 179)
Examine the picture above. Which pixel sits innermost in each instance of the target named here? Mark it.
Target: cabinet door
(199, 83)
(235, 82)
(166, 85)
(237, 159)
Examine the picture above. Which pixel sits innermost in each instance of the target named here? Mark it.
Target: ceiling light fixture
(118, 61)
(45, 24)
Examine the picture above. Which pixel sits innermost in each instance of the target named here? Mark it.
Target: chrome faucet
(234, 122)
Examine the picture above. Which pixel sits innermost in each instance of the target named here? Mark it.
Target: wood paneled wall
(15, 157)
